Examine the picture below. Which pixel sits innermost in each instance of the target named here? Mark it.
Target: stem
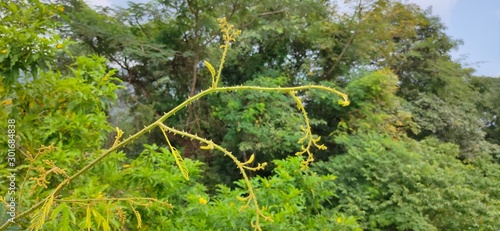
(222, 60)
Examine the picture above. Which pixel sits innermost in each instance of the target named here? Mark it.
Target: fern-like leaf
(137, 215)
(39, 217)
(88, 219)
(211, 69)
(180, 163)
(177, 156)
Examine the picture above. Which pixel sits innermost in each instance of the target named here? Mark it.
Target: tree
(488, 106)
(33, 44)
(409, 185)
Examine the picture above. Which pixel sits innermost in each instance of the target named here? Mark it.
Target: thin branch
(347, 45)
(140, 26)
(349, 42)
(233, 10)
(263, 14)
(272, 12)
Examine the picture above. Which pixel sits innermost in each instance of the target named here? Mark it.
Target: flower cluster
(229, 33)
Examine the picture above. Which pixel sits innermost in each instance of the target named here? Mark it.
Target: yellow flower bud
(7, 102)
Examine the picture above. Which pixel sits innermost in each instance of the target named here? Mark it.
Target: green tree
(409, 185)
(33, 44)
(489, 106)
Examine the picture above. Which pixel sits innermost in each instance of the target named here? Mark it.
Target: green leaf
(180, 163)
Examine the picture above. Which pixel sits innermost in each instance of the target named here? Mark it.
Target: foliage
(61, 121)
(409, 185)
(416, 149)
(489, 105)
(29, 42)
(288, 196)
(257, 120)
(451, 123)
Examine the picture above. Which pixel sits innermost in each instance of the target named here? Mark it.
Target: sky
(476, 23)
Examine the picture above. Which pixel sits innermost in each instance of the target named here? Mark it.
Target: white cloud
(98, 2)
(441, 8)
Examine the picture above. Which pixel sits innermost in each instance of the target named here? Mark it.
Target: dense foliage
(418, 148)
